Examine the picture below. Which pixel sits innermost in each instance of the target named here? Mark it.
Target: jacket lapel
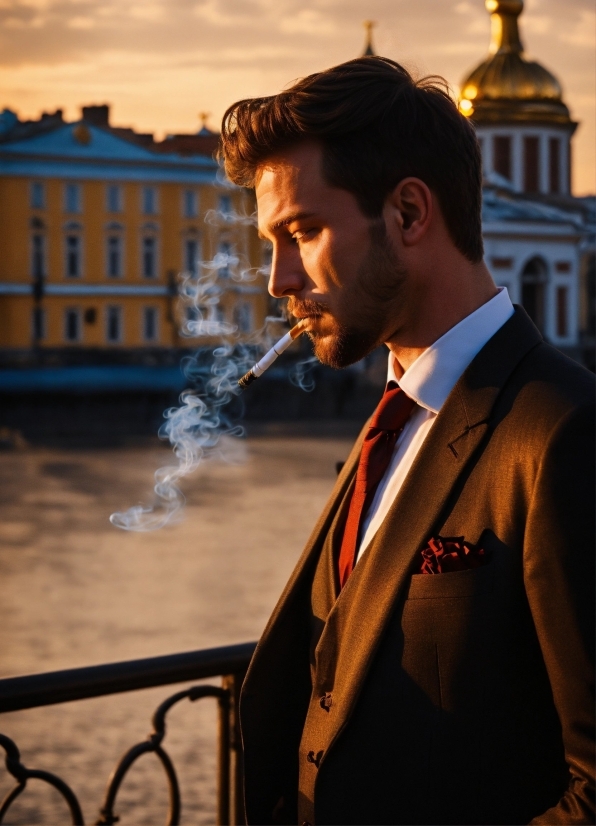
(274, 640)
(355, 624)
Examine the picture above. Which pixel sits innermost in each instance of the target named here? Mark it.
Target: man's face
(335, 265)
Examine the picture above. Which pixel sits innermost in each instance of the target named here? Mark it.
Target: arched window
(114, 254)
(73, 250)
(533, 291)
(38, 249)
(191, 251)
(149, 251)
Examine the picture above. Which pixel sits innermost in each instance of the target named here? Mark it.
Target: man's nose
(287, 274)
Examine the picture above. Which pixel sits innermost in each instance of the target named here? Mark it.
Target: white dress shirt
(428, 381)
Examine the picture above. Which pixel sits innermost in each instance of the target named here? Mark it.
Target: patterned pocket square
(445, 554)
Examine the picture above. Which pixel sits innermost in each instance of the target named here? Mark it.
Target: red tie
(387, 423)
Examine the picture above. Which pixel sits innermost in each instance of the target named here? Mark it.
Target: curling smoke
(201, 428)
(301, 374)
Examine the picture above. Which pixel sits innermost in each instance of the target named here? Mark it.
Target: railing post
(233, 683)
(224, 756)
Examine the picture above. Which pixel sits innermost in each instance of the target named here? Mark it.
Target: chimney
(97, 115)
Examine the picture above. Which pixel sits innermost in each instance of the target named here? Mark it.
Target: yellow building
(95, 230)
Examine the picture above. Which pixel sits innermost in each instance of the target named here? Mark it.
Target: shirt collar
(432, 377)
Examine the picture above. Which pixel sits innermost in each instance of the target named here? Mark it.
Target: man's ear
(411, 210)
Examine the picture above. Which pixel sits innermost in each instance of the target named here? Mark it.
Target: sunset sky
(160, 62)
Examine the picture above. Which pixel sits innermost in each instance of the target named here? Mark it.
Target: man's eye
(302, 234)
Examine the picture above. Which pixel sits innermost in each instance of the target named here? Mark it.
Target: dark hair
(377, 126)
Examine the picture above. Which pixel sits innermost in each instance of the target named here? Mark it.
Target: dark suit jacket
(463, 698)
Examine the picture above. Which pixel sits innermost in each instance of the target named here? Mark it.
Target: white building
(539, 239)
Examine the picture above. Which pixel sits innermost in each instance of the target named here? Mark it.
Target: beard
(365, 308)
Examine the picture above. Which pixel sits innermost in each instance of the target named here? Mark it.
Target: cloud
(81, 23)
(162, 61)
(538, 23)
(583, 33)
(309, 21)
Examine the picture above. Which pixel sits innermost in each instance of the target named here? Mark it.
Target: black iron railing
(230, 663)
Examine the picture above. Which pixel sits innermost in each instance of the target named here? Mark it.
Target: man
(430, 660)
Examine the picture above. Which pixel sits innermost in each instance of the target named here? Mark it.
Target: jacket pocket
(452, 585)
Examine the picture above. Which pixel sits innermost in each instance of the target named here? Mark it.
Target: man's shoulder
(555, 377)
(547, 397)
(519, 377)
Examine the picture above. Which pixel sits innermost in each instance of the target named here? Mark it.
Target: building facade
(96, 230)
(539, 239)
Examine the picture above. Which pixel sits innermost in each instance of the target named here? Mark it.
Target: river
(77, 591)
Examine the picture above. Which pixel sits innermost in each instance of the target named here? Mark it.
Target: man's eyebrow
(297, 216)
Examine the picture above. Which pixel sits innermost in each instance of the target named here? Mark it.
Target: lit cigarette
(277, 349)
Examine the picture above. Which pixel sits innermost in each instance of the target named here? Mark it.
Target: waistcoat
(324, 594)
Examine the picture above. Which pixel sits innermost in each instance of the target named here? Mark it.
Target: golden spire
(204, 116)
(503, 24)
(369, 50)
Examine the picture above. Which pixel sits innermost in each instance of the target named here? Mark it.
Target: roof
(83, 150)
(504, 205)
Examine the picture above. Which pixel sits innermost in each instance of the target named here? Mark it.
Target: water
(76, 591)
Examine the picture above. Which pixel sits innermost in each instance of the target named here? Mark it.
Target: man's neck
(460, 294)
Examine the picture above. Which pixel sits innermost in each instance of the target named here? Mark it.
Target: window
(113, 324)
(590, 294)
(191, 255)
(73, 256)
(563, 266)
(267, 256)
(38, 195)
(533, 282)
(114, 198)
(190, 203)
(224, 253)
(531, 164)
(502, 156)
(150, 316)
(38, 256)
(38, 324)
(243, 317)
(501, 263)
(72, 198)
(148, 255)
(149, 202)
(562, 328)
(114, 256)
(225, 206)
(554, 165)
(72, 324)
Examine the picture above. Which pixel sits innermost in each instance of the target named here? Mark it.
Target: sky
(159, 63)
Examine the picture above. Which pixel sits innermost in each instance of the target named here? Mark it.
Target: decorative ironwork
(230, 662)
(153, 744)
(22, 774)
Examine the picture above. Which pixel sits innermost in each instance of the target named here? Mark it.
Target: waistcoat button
(326, 701)
(311, 757)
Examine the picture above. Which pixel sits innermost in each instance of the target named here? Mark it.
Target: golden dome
(507, 87)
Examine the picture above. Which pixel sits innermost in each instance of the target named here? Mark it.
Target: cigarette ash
(205, 426)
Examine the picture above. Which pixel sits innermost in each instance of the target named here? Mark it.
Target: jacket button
(311, 757)
(326, 702)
